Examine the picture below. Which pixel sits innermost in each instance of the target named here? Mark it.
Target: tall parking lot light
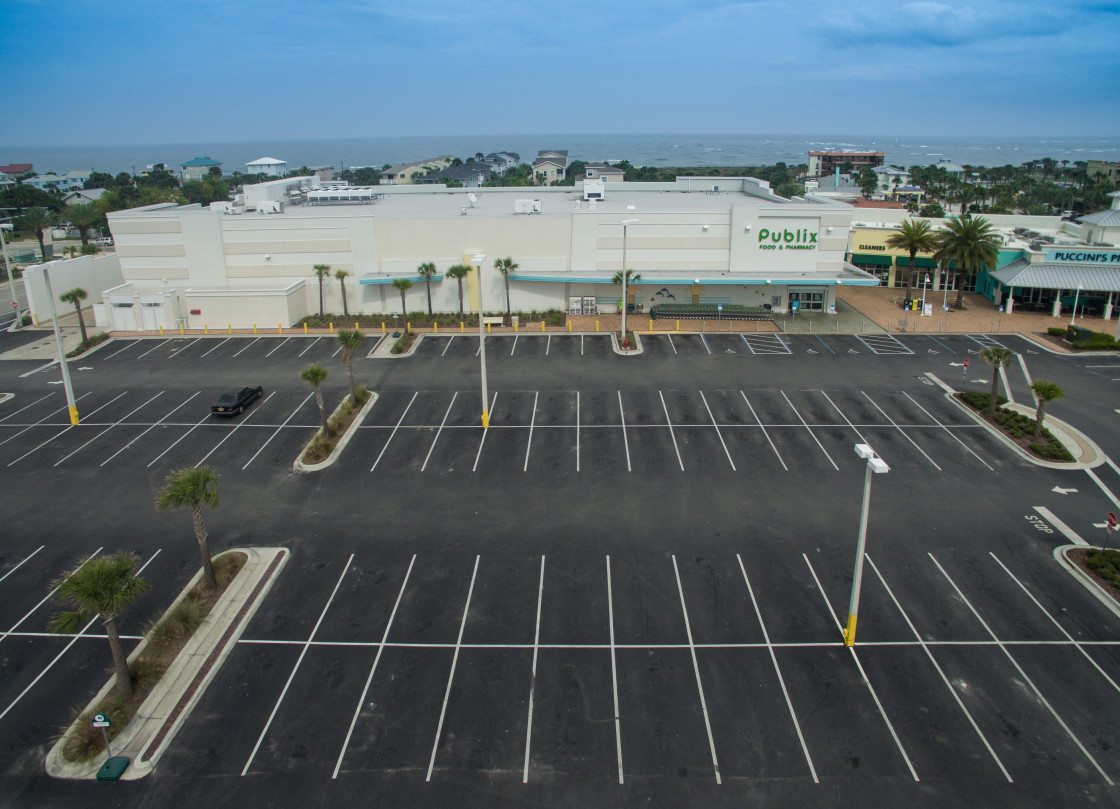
(875, 465)
(625, 224)
(476, 262)
(8, 268)
(70, 402)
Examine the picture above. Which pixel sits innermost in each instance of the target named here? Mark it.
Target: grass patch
(1018, 427)
(1106, 566)
(1056, 331)
(166, 636)
(321, 445)
(82, 348)
(552, 317)
(403, 343)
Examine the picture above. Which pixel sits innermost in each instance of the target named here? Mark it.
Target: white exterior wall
(94, 274)
(265, 308)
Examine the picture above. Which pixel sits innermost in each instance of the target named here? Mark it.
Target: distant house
(267, 165)
(823, 163)
(551, 165)
(323, 172)
(83, 195)
(13, 170)
(501, 162)
(1094, 169)
(471, 175)
(70, 181)
(607, 173)
(950, 168)
(408, 173)
(198, 168)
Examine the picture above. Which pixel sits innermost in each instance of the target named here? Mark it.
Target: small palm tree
(314, 375)
(971, 244)
(321, 271)
(37, 219)
(505, 266)
(1045, 392)
(193, 487)
(402, 285)
(351, 340)
(631, 278)
(83, 216)
(998, 357)
(342, 275)
(104, 587)
(459, 272)
(427, 270)
(915, 236)
(76, 296)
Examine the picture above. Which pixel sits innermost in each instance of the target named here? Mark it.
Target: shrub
(403, 343)
(1105, 564)
(25, 320)
(1056, 331)
(1052, 452)
(84, 347)
(318, 450)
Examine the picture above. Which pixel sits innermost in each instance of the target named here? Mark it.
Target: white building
(267, 165)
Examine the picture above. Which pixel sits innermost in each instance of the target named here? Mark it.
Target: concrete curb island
(300, 466)
(1061, 554)
(145, 739)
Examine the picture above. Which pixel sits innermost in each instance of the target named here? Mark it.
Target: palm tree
(631, 278)
(971, 244)
(37, 219)
(427, 270)
(194, 487)
(505, 266)
(314, 375)
(102, 587)
(351, 340)
(966, 195)
(914, 236)
(998, 357)
(1045, 392)
(83, 216)
(76, 296)
(459, 272)
(342, 275)
(402, 285)
(322, 271)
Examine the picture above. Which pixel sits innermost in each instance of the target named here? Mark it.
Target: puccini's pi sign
(777, 237)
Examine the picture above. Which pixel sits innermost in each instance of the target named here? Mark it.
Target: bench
(493, 321)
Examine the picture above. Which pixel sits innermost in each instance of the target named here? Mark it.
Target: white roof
(266, 161)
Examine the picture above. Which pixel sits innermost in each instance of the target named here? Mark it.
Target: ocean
(640, 150)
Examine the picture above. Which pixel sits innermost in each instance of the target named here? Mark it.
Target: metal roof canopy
(388, 279)
(850, 275)
(1092, 277)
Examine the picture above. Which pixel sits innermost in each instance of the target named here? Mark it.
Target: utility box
(1078, 334)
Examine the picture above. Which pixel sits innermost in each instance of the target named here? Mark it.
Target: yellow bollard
(305, 328)
(407, 327)
(596, 325)
(569, 325)
(36, 319)
(280, 328)
(651, 324)
(254, 328)
(542, 325)
(161, 331)
(230, 327)
(181, 329)
(515, 325)
(678, 325)
(205, 329)
(435, 327)
(487, 328)
(460, 327)
(332, 328)
(355, 327)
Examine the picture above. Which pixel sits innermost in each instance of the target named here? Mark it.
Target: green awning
(864, 258)
(924, 263)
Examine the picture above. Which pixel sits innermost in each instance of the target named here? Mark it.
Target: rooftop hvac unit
(527, 206)
(271, 206)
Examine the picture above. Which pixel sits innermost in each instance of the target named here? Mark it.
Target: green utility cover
(113, 769)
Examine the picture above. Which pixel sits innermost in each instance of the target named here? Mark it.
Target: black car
(233, 402)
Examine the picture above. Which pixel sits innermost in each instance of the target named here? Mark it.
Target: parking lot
(632, 584)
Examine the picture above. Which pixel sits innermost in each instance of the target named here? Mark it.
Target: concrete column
(1056, 311)
(1010, 303)
(1108, 308)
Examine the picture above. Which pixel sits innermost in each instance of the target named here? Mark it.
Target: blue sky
(163, 71)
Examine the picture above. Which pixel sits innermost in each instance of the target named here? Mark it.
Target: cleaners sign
(784, 238)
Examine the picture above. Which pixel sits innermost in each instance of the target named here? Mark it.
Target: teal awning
(388, 279)
(868, 258)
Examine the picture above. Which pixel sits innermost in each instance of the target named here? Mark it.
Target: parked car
(234, 401)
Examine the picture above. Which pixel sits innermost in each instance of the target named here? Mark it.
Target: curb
(384, 348)
(635, 351)
(300, 466)
(1079, 574)
(162, 714)
(6, 396)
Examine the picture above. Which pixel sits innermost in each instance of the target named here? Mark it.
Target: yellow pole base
(651, 324)
(596, 325)
(229, 327)
(279, 328)
(678, 325)
(305, 328)
(435, 327)
(407, 327)
(205, 329)
(181, 331)
(161, 331)
(461, 325)
(73, 415)
(850, 632)
(485, 419)
(254, 328)
(487, 328)
(355, 327)
(569, 325)
(542, 325)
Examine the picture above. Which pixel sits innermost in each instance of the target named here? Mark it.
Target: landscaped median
(324, 448)
(173, 665)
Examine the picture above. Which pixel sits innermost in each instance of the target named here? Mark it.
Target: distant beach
(649, 150)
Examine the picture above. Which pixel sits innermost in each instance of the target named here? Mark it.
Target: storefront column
(1010, 304)
(1057, 309)
(1108, 308)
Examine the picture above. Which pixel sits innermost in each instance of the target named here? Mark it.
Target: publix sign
(775, 238)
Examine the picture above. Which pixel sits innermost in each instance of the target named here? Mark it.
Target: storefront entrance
(807, 300)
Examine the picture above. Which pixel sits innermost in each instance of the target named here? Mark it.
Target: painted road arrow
(957, 364)
(1060, 490)
(931, 351)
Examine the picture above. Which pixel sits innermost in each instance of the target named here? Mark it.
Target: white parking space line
(747, 343)
(335, 354)
(246, 347)
(846, 419)
(696, 671)
(1103, 488)
(614, 672)
(625, 440)
(133, 344)
(778, 671)
(66, 430)
(548, 345)
(397, 427)
(153, 348)
(760, 424)
(705, 342)
(278, 347)
(45, 599)
(1054, 621)
(34, 371)
(577, 430)
(215, 348)
(295, 668)
(110, 427)
(27, 407)
(805, 424)
(985, 341)
(230, 433)
(718, 433)
(823, 343)
(449, 342)
(373, 670)
(310, 346)
(671, 433)
(1065, 530)
(884, 344)
(95, 619)
(533, 677)
(581, 345)
(946, 429)
(1025, 677)
(672, 345)
(150, 428)
(940, 671)
(904, 435)
(177, 440)
(513, 347)
(451, 675)
(1027, 376)
(17, 567)
(863, 674)
(40, 421)
(951, 351)
(532, 424)
(439, 432)
(485, 432)
(278, 429)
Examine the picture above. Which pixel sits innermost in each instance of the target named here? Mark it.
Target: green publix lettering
(799, 236)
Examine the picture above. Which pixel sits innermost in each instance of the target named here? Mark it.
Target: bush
(1051, 452)
(25, 320)
(1018, 426)
(1056, 331)
(318, 450)
(1105, 564)
(97, 339)
(403, 343)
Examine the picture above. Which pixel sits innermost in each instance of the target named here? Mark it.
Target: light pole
(70, 402)
(8, 268)
(625, 224)
(1076, 297)
(476, 262)
(875, 465)
(925, 283)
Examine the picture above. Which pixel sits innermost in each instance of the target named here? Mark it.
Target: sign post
(1109, 528)
(964, 370)
(100, 720)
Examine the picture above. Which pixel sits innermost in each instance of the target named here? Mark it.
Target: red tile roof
(16, 168)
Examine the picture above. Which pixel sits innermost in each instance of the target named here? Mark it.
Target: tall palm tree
(351, 341)
(83, 216)
(459, 272)
(914, 236)
(314, 375)
(402, 285)
(631, 278)
(193, 487)
(104, 587)
(1045, 392)
(427, 270)
(342, 275)
(998, 357)
(966, 195)
(505, 266)
(971, 244)
(75, 296)
(37, 219)
(322, 271)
